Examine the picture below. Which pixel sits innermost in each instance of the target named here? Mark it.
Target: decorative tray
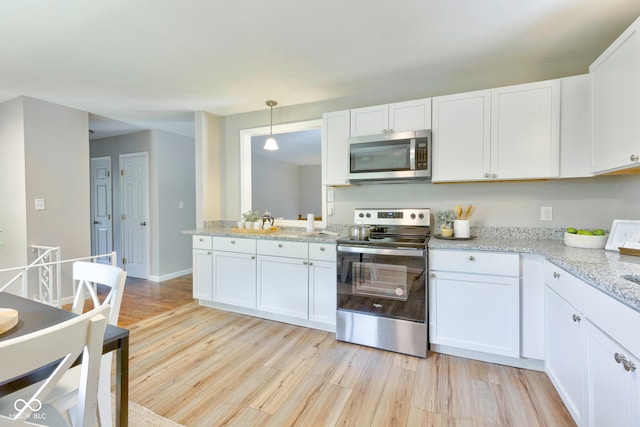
(254, 231)
(440, 236)
(629, 251)
(8, 319)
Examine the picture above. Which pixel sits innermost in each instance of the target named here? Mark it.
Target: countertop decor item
(270, 230)
(8, 319)
(623, 230)
(251, 216)
(584, 241)
(445, 219)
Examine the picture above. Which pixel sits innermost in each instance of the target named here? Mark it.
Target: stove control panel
(403, 216)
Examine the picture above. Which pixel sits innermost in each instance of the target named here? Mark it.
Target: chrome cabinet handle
(486, 175)
(209, 252)
(310, 263)
(321, 248)
(233, 242)
(576, 318)
(253, 257)
(618, 357)
(201, 239)
(628, 365)
(305, 262)
(433, 275)
(143, 223)
(472, 258)
(634, 158)
(279, 245)
(556, 275)
(494, 176)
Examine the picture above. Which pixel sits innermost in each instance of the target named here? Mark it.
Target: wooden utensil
(8, 319)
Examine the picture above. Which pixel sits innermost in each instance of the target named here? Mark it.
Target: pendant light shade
(271, 143)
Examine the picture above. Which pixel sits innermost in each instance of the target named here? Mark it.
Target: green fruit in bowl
(598, 232)
(571, 230)
(587, 233)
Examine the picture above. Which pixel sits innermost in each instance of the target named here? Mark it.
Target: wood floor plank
(204, 367)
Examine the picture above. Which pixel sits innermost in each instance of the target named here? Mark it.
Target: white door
(134, 191)
(101, 211)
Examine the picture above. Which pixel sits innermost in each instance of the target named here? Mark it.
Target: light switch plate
(546, 213)
(329, 195)
(40, 205)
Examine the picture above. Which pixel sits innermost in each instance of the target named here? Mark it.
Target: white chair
(86, 277)
(62, 344)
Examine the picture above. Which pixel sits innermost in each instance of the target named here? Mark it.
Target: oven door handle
(382, 251)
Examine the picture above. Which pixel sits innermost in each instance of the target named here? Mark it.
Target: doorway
(134, 205)
(101, 208)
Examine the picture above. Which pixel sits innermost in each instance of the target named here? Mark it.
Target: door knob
(96, 222)
(143, 223)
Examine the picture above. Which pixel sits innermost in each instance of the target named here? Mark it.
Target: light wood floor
(204, 367)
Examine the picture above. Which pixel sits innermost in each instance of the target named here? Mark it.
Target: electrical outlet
(40, 205)
(546, 213)
(329, 195)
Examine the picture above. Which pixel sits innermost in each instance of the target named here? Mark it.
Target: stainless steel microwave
(401, 156)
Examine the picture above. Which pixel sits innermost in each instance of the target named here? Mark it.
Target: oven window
(384, 285)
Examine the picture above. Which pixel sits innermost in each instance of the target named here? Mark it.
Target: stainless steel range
(382, 281)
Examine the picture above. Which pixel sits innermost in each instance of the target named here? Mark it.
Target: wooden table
(34, 316)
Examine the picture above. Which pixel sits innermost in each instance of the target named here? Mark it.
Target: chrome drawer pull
(279, 245)
(321, 248)
(472, 258)
(556, 275)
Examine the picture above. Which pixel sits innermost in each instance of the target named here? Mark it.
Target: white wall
(13, 214)
(310, 190)
(274, 186)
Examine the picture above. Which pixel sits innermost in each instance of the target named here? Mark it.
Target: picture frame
(623, 230)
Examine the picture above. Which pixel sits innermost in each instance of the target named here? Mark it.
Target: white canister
(310, 223)
(461, 228)
(257, 225)
(240, 224)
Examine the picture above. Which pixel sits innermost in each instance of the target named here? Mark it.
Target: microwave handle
(412, 154)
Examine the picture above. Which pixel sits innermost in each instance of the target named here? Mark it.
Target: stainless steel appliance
(382, 281)
(390, 157)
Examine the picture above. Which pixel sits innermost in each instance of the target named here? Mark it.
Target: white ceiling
(150, 63)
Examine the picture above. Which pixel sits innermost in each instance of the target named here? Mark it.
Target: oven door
(382, 282)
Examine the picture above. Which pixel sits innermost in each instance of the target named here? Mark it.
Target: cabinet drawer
(234, 244)
(322, 251)
(619, 321)
(564, 284)
(284, 248)
(202, 242)
(479, 262)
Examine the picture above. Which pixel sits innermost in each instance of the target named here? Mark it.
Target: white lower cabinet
(475, 301)
(202, 267)
(322, 283)
(283, 286)
(234, 271)
(613, 389)
(564, 358)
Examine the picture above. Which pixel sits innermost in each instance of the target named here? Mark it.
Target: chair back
(86, 275)
(59, 345)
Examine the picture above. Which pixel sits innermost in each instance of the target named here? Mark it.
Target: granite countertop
(223, 229)
(597, 267)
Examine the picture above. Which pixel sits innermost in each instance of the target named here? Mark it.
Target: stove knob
(413, 216)
(368, 215)
(421, 216)
(361, 215)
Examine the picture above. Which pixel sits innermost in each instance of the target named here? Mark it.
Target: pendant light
(271, 144)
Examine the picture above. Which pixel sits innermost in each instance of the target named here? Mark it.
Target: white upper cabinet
(389, 118)
(461, 136)
(499, 134)
(575, 126)
(335, 149)
(615, 86)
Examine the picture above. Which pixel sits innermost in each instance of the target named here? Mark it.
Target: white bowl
(585, 241)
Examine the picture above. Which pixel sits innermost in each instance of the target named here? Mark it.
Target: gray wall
(310, 190)
(48, 159)
(171, 180)
(278, 199)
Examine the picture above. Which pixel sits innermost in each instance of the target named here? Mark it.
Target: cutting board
(8, 319)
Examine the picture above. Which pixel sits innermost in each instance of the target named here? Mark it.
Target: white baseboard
(170, 275)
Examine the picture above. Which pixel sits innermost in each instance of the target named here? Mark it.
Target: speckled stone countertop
(224, 229)
(597, 267)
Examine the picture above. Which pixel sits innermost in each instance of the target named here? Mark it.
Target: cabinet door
(410, 115)
(283, 286)
(335, 149)
(202, 274)
(235, 278)
(461, 136)
(564, 361)
(613, 393)
(525, 131)
(322, 291)
(475, 312)
(575, 126)
(370, 120)
(615, 85)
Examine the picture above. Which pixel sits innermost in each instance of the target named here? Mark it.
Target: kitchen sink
(632, 278)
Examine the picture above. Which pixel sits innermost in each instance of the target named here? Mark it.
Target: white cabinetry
(234, 271)
(335, 149)
(615, 85)
(202, 267)
(505, 133)
(389, 118)
(575, 126)
(564, 359)
(475, 301)
(283, 284)
(322, 283)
